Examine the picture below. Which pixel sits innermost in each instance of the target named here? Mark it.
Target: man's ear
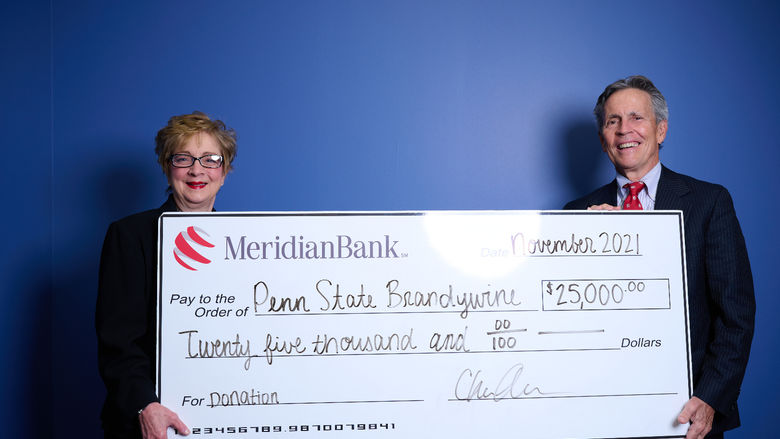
(660, 131)
(601, 141)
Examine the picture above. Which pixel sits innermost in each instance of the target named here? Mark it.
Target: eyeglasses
(186, 160)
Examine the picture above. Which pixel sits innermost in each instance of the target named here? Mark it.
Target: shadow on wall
(123, 183)
(586, 166)
(28, 378)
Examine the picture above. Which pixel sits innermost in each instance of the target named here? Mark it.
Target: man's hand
(604, 206)
(700, 415)
(155, 420)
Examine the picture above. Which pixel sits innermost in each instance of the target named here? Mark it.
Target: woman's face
(195, 188)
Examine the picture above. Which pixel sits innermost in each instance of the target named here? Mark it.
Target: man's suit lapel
(671, 192)
(607, 194)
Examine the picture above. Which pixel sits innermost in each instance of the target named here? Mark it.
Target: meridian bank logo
(184, 253)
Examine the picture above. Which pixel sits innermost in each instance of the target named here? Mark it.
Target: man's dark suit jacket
(125, 319)
(721, 302)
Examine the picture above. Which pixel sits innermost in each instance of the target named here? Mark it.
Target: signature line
(569, 396)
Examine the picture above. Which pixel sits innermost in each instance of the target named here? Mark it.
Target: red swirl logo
(184, 252)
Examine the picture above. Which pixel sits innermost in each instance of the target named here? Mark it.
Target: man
(632, 117)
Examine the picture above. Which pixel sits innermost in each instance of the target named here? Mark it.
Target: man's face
(630, 135)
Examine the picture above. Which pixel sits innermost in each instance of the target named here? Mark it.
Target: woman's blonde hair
(181, 128)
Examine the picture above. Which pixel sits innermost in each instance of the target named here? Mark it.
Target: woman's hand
(155, 420)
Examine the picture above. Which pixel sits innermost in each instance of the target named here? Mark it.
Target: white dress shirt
(646, 195)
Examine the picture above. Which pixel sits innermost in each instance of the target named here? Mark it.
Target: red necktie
(632, 200)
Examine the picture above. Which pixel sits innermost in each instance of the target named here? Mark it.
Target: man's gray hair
(638, 82)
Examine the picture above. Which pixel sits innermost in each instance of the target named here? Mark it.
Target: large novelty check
(424, 324)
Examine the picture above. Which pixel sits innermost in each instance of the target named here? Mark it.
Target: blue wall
(26, 257)
(360, 105)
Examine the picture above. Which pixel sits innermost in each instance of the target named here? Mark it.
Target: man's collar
(650, 180)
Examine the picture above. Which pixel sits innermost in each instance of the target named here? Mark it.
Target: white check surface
(453, 324)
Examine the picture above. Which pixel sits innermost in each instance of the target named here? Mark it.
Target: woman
(195, 153)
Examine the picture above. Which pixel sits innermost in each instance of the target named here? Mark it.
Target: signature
(472, 385)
